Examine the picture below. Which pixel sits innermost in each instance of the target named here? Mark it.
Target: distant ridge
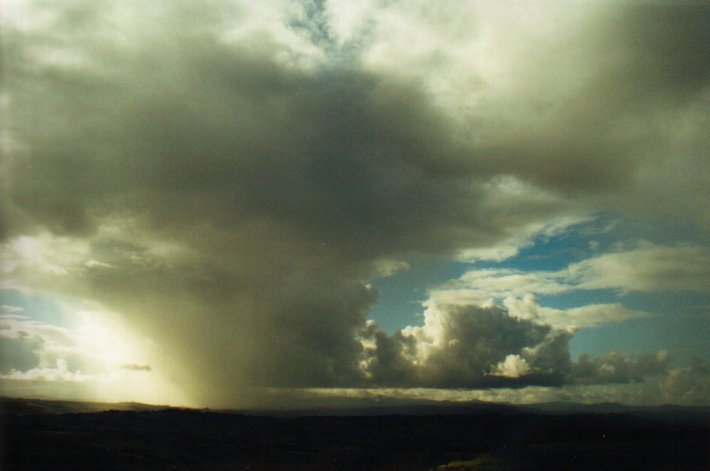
(615, 408)
(24, 406)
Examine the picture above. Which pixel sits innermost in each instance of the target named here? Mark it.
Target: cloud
(514, 366)
(82, 350)
(230, 177)
(688, 385)
(87, 356)
(29, 345)
(647, 268)
(278, 187)
(479, 347)
(387, 267)
(18, 352)
(59, 372)
(643, 267)
(469, 346)
(136, 367)
(581, 98)
(589, 315)
(11, 309)
(614, 368)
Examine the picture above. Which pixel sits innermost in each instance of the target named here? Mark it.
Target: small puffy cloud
(386, 267)
(514, 366)
(136, 367)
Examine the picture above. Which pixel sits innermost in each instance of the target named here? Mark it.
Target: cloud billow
(468, 347)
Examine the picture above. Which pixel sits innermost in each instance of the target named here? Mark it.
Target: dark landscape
(73, 435)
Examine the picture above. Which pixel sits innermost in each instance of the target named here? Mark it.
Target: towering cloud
(468, 347)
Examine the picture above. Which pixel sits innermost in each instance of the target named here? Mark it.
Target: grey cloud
(667, 42)
(242, 203)
(614, 368)
(476, 339)
(282, 188)
(596, 108)
(346, 159)
(136, 367)
(387, 360)
(688, 385)
(19, 353)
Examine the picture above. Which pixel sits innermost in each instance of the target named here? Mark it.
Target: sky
(274, 203)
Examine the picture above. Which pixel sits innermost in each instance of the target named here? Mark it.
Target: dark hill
(477, 437)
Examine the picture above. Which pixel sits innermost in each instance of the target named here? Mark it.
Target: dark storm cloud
(281, 188)
(597, 106)
(233, 205)
(340, 157)
(667, 47)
